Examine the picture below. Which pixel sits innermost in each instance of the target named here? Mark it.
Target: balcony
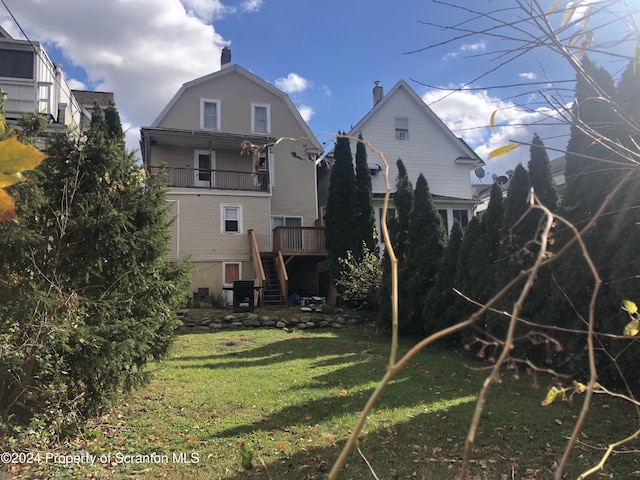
(299, 240)
(212, 179)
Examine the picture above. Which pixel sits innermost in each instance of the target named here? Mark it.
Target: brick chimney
(378, 93)
(225, 59)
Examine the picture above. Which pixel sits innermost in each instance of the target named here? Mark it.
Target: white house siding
(427, 149)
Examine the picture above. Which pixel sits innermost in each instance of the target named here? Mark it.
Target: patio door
(204, 164)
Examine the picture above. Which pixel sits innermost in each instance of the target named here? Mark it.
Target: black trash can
(243, 296)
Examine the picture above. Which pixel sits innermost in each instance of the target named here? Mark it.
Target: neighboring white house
(34, 83)
(401, 125)
(238, 213)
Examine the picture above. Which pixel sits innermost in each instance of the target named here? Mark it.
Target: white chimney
(378, 93)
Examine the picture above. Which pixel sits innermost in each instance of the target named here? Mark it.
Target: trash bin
(243, 296)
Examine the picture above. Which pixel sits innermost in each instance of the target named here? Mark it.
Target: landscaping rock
(323, 324)
(280, 324)
(236, 324)
(268, 323)
(310, 324)
(251, 322)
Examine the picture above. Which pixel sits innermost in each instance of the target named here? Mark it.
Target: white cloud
(468, 113)
(528, 75)
(143, 50)
(306, 112)
(327, 91)
(208, 9)
(478, 47)
(293, 83)
(251, 6)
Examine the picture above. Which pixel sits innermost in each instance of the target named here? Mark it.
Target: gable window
(260, 118)
(231, 218)
(210, 114)
(462, 216)
(402, 128)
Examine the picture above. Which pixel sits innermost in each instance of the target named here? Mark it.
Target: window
(402, 127)
(445, 219)
(260, 118)
(231, 272)
(286, 222)
(210, 114)
(16, 63)
(231, 216)
(462, 216)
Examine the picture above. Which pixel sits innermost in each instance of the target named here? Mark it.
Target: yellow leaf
(502, 150)
(7, 207)
(492, 121)
(632, 328)
(552, 394)
(629, 306)
(585, 18)
(17, 157)
(552, 7)
(575, 39)
(567, 16)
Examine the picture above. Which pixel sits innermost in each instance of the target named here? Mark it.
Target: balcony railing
(212, 179)
(299, 240)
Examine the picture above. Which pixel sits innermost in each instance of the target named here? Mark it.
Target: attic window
(402, 128)
(210, 114)
(260, 118)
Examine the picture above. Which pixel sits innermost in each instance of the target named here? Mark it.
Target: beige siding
(209, 275)
(200, 235)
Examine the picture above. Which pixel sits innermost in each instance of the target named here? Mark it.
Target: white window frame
(203, 102)
(267, 107)
(284, 220)
(223, 207)
(224, 271)
(196, 165)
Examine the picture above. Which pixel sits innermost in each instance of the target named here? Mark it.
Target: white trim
(283, 217)
(224, 264)
(253, 118)
(222, 218)
(218, 113)
(196, 165)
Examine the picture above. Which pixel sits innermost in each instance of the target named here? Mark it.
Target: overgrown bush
(359, 281)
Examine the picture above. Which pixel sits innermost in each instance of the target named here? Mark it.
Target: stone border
(215, 322)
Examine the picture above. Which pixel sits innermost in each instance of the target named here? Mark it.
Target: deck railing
(299, 240)
(283, 277)
(254, 254)
(212, 179)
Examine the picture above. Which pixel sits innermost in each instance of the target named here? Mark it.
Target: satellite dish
(501, 180)
(494, 177)
(479, 172)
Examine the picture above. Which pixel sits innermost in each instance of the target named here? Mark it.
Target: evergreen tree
(425, 242)
(403, 201)
(491, 223)
(540, 174)
(442, 305)
(87, 272)
(340, 234)
(112, 120)
(365, 220)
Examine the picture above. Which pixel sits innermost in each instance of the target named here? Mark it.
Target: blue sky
(325, 55)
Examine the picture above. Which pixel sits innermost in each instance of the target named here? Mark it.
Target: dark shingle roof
(87, 98)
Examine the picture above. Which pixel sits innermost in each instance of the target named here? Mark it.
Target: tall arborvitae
(491, 223)
(112, 121)
(540, 174)
(365, 220)
(403, 201)
(340, 234)
(426, 238)
(474, 270)
(442, 305)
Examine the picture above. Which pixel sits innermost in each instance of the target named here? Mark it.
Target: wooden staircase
(272, 291)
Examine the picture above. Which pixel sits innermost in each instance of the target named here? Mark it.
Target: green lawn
(294, 397)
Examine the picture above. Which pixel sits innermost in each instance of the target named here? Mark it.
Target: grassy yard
(295, 396)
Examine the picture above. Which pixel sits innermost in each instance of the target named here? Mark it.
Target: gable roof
(237, 69)
(87, 98)
(467, 153)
